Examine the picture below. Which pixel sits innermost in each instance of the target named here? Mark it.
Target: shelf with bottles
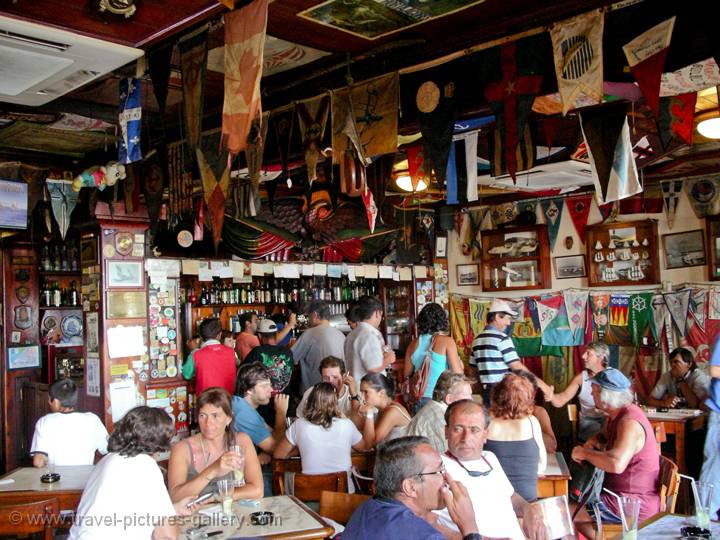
(60, 259)
(60, 293)
(515, 259)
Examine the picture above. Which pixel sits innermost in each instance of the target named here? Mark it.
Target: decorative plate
(185, 238)
(71, 326)
(50, 322)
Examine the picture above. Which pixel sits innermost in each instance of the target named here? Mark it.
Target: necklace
(206, 455)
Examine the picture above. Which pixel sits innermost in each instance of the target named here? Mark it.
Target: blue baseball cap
(612, 379)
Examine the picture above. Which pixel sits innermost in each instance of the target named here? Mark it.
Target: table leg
(680, 448)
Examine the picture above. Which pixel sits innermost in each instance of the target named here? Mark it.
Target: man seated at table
(430, 420)
(683, 386)
(411, 482)
(497, 506)
(66, 437)
(630, 458)
(333, 371)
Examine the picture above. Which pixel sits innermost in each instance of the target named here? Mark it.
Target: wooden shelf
(60, 273)
(60, 308)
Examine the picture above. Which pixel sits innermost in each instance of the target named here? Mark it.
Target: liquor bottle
(204, 297)
(73, 258)
(56, 295)
(243, 295)
(251, 294)
(45, 259)
(64, 265)
(46, 294)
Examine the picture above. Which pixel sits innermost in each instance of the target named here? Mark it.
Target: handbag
(415, 385)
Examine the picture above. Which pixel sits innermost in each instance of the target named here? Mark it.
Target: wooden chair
(660, 435)
(29, 518)
(339, 506)
(308, 487)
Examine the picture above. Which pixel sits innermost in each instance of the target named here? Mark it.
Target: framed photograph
(126, 304)
(88, 251)
(441, 247)
(13, 204)
(468, 274)
(125, 274)
(572, 266)
(23, 357)
(684, 249)
(521, 273)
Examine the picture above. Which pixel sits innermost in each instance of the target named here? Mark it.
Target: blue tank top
(519, 460)
(438, 362)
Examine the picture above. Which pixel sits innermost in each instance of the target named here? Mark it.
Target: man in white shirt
(495, 502)
(333, 371)
(65, 437)
(365, 350)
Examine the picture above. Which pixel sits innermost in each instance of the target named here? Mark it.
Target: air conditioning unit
(39, 63)
(564, 175)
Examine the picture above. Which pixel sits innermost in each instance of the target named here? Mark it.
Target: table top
(292, 519)
(675, 415)
(556, 467)
(72, 478)
(667, 527)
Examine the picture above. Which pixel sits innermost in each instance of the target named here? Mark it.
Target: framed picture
(684, 249)
(27, 357)
(468, 274)
(441, 247)
(88, 251)
(126, 304)
(13, 204)
(521, 273)
(125, 274)
(572, 266)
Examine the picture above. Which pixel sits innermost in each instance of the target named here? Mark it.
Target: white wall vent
(39, 63)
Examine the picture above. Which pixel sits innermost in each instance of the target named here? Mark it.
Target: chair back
(363, 484)
(307, 487)
(340, 506)
(556, 516)
(660, 435)
(29, 518)
(669, 484)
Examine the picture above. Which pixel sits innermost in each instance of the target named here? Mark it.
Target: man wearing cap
(629, 457)
(317, 342)
(213, 364)
(493, 352)
(277, 359)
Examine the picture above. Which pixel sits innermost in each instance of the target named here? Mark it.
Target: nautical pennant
(552, 208)
(193, 65)
(129, 120)
(471, 141)
(451, 178)
(313, 116)
(577, 46)
(704, 195)
(527, 334)
(554, 322)
(417, 167)
(677, 304)
(619, 309)
(435, 101)
(599, 305)
(640, 315)
(698, 306)
(62, 201)
(659, 312)
(370, 208)
(579, 208)
(671, 190)
(576, 306)
(215, 192)
(676, 118)
(714, 304)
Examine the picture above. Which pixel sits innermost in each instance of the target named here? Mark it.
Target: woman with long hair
(514, 434)
(198, 462)
(432, 324)
(380, 415)
(128, 484)
(324, 437)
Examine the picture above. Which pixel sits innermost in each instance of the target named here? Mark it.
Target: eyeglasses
(441, 472)
(474, 474)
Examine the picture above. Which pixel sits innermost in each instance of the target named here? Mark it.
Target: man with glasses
(411, 482)
(496, 504)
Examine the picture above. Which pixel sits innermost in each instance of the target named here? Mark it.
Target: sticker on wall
(171, 371)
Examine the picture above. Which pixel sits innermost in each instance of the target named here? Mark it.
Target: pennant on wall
(471, 140)
(459, 309)
(671, 190)
(244, 41)
(62, 200)
(698, 306)
(435, 101)
(129, 120)
(599, 303)
(193, 65)
(313, 116)
(675, 118)
(640, 315)
(576, 306)
(554, 322)
(579, 208)
(527, 334)
(577, 46)
(646, 56)
(552, 209)
(677, 304)
(504, 213)
(704, 195)
(619, 309)
(417, 168)
(714, 304)
(659, 312)
(215, 192)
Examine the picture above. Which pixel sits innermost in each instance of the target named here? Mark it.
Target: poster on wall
(13, 204)
(93, 375)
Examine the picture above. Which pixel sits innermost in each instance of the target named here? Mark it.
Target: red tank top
(214, 366)
(641, 477)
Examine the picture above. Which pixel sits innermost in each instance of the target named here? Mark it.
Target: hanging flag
(313, 116)
(577, 46)
(244, 42)
(642, 150)
(512, 96)
(527, 334)
(650, 201)
(677, 304)
(619, 309)
(471, 141)
(646, 56)
(62, 201)
(459, 309)
(504, 213)
(698, 306)
(675, 119)
(159, 66)
(215, 191)
(690, 79)
(607, 136)
(599, 303)
(640, 315)
(435, 101)
(451, 177)
(608, 211)
(554, 322)
(552, 208)
(283, 121)
(576, 305)
(704, 195)
(416, 165)
(659, 311)
(254, 149)
(478, 312)
(579, 208)
(671, 190)
(524, 153)
(193, 65)
(370, 208)
(714, 304)
(129, 121)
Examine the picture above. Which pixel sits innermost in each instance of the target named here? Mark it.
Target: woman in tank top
(380, 416)
(432, 323)
(514, 434)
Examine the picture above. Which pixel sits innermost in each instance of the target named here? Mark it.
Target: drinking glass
(630, 508)
(703, 496)
(239, 472)
(225, 492)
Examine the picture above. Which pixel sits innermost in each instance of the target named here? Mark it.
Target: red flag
(416, 165)
(579, 208)
(370, 208)
(676, 118)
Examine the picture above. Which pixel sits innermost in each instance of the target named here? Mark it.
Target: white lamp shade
(710, 127)
(404, 182)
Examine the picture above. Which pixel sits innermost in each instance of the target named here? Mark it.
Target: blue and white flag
(552, 208)
(129, 118)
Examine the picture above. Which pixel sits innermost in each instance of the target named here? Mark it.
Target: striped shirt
(492, 353)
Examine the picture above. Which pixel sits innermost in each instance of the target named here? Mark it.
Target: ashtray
(261, 518)
(50, 478)
(695, 532)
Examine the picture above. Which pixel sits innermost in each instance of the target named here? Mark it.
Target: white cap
(267, 326)
(501, 306)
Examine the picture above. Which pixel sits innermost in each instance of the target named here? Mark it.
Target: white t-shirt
(363, 350)
(490, 496)
(70, 438)
(324, 450)
(125, 498)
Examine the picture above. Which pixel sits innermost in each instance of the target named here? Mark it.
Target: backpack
(415, 385)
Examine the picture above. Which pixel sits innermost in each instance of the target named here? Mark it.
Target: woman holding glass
(380, 416)
(200, 462)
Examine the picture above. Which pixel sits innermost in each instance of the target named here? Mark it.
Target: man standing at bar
(213, 364)
(247, 339)
(365, 350)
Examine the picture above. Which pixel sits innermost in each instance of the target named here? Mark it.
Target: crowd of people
(449, 464)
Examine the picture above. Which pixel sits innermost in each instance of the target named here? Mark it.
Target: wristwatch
(356, 397)
(472, 536)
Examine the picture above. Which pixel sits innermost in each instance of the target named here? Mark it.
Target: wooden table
(293, 520)
(554, 481)
(665, 526)
(679, 423)
(25, 486)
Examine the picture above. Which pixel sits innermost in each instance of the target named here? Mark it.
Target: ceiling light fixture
(404, 182)
(708, 121)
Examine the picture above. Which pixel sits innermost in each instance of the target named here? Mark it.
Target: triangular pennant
(646, 56)
(129, 120)
(548, 309)
(577, 45)
(471, 141)
(283, 121)
(576, 306)
(417, 168)
(671, 190)
(159, 65)
(552, 209)
(451, 177)
(698, 306)
(608, 211)
(619, 309)
(524, 153)
(435, 101)
(579, 208)
(659, 312)
(677, 304)
(640, 315)
(215, 192)
(504, 213)
(556, 329)
(62, 201)
(714, 304)
(370, 208)
(676, 118)
(255, 147)
(193, 66)
(599, 305)
(313, 115)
